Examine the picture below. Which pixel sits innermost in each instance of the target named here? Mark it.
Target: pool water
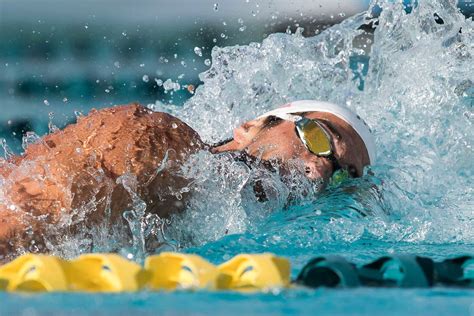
(412, 81)
(322, 302)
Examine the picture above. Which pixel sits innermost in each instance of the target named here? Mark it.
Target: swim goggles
(318, 141)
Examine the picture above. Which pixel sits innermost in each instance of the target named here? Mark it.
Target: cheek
(245, 134)
(269, 147)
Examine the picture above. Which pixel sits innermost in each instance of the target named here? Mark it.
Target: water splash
(411, 80)
(413, 84)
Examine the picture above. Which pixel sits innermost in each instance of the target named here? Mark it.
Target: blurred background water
(58, 57)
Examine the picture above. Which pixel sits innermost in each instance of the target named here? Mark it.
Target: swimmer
(115, 156)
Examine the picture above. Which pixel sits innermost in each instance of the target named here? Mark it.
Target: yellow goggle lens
(314, 137)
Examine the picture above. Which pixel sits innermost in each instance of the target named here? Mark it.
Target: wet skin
(85, 162)
(275, 139)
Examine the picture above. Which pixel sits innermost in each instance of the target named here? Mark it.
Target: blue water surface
(362, 301)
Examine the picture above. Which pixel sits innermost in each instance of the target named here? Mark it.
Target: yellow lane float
(254, 272)
(105, 273)
(34, 273)
(172, 271)
(166, 271)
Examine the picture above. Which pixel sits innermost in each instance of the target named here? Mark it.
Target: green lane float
(328, 271)
(168, 271)
(399, 271)
(456, 272)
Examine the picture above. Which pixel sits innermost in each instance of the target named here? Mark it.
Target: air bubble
(198, 51)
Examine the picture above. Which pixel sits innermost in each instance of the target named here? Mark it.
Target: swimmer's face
(273, 139)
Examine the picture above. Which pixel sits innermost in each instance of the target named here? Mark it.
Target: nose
(312, 171)
(318, 168)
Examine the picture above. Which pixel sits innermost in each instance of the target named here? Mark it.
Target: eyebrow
(272, 119)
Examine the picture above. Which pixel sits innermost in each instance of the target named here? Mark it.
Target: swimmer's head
(274, 137)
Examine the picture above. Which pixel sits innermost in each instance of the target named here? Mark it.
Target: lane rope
(171, 271)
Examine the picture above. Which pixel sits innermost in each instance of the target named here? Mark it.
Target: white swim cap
(347, 115)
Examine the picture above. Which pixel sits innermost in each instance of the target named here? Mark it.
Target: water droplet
(78, 114)
(159, 82)
(174, 125)
(242, 28)
(86, 26)
(52, 128)
(142, 65)
(216, 6)
(198, 51)
(29, 231)
(124, 34)
(170, 85)
(117, 64)
(46, 102)
(145, 78)
(240, 20)
(207, 62)
(107, 90)
(28, 139)
(65, 100)
(7, 152)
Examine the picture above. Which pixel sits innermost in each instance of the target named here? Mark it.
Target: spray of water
(417, 96)
(412, 82)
